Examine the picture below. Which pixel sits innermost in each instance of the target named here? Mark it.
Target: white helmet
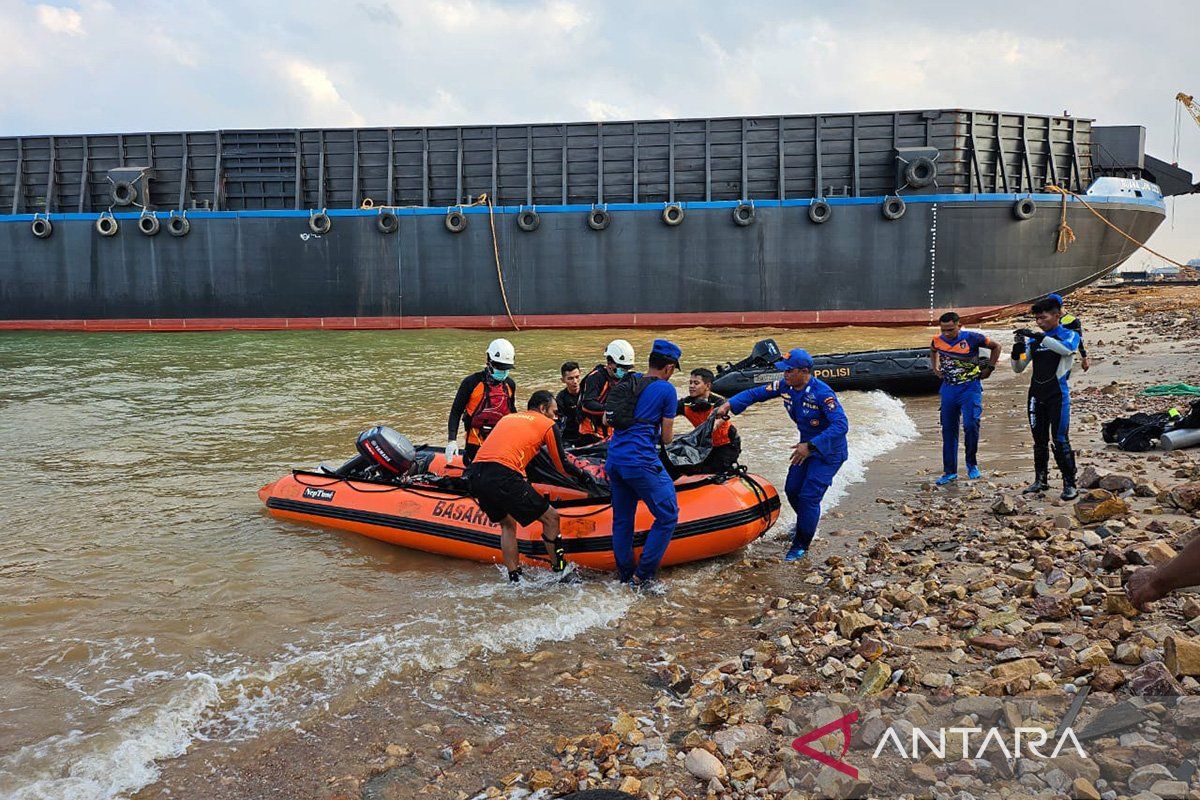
(621, 352)
(501, 353)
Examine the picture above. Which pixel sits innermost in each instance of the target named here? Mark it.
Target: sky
(103, 66)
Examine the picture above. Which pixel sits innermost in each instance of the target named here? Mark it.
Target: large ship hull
(267, 270)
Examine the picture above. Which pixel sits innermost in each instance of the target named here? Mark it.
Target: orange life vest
(590, 424)
(698, 417)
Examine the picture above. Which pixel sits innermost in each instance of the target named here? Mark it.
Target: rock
(853, 623)
(703, 764)
(1116, 483)
(936, 680)
(540, 779)
(1004, 506)
(1186, 496)
(716, 712)
(1152, 554)
(1093, 657)
(1088, 478)
(1014, 670)
(1091, 540)
(1154, 680)
(1107, 679)
(1118, 603)
(623, 724)
(1170, 790)
(1083, 789)
(1053, 606)
(991, 642)
(1099, 505)
(1128, 653)
(745, 737)
(1181, 655)
(1143, 778)
(875, 679)
(676, 678)
(1146, 489)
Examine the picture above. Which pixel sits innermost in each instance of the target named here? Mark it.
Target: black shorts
(501, 493)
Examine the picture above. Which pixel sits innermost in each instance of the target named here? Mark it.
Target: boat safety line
(482, 200)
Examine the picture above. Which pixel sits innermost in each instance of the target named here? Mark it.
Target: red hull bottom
(718, 319)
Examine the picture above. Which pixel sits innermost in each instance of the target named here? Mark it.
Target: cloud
(312, 85)
(61, 20)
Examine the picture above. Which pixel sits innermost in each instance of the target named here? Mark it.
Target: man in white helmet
(483, 398)
(618, 358)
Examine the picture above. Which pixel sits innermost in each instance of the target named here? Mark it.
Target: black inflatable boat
(907, 371)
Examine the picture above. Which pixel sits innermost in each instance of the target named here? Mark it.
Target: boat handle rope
(484, 199)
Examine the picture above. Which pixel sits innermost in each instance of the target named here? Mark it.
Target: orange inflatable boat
(717, 515)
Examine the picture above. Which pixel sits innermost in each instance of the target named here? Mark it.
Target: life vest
(490, 401)
(698, 416)
(591, 423)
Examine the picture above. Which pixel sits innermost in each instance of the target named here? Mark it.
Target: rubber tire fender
(387, 222)
(743, 215)
(920, 172)
(819, 211)
(107, 225)
(178, 226)
(124, 193)
(148, 224)
(1024, 208)
(319, 222)
(41, 228)
(528, 220)
(456, 221)
(672, 214)
(598, 219)
(894, 208)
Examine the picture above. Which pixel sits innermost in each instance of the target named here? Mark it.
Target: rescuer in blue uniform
(956, 360)
(822, 450)
(635, 471)
(1051, 350)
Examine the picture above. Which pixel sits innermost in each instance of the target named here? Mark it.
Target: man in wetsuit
(618, 360)
(498, 482)
(697, 407)
(1051, 350)
(956, 360)
(1073, 323)
(822, 449)
(568, 402)
(482, 399)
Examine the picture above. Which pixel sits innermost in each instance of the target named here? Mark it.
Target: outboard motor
(382, 453)
(766, 352)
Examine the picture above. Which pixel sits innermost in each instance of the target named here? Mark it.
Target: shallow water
(147, 602)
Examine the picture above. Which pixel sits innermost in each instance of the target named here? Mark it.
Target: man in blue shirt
(635, 471)
(956, 360)
(822, 450)
(1051, 350)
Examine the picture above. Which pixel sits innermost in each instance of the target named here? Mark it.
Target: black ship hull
(267, 269)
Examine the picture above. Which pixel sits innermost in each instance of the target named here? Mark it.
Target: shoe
(795, 553)
(560, 562)
(1069, 493)
(973, 472)
(949, 477)
(514, 575)
(1039, 485)
(571, 577)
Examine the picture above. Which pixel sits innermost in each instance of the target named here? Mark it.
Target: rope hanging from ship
(484, 199)
(1066, 235)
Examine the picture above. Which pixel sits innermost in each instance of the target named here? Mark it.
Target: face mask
(621, 372)
(499, 374)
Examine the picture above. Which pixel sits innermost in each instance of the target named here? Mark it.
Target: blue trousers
(806, 485)
(965, 400)
(654, 487)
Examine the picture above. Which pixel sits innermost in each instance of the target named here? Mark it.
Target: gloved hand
(451, 449)
(986, 371)
(1026, 333)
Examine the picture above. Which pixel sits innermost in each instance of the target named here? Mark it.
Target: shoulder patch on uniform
(831, 402)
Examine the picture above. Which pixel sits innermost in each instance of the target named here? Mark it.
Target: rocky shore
(974, 603)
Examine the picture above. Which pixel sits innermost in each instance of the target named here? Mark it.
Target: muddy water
(148, 604)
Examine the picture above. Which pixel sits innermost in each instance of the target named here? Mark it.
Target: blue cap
(1056, 298)
(666, 349)
(796, 359)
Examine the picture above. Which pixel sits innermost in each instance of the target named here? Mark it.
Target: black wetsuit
(568, 415)
(1050, 399)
